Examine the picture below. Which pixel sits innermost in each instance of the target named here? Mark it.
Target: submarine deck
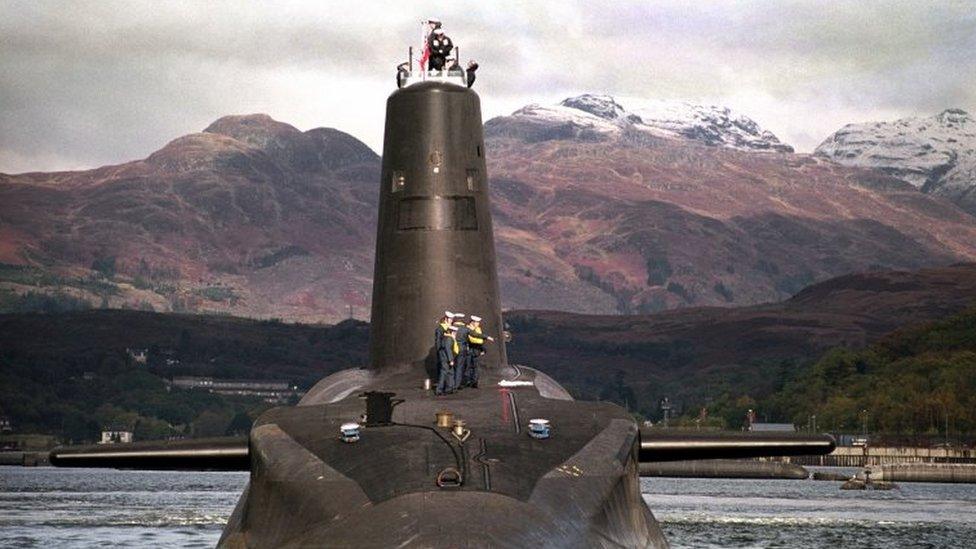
(499, 455)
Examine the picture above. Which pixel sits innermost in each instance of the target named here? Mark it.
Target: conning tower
(435, 248)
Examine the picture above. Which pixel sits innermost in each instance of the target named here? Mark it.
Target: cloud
(84, 84)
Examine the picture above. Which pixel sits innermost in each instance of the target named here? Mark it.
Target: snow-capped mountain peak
(936, 154)
(951, 117)
(603, 106)
(709, 124)
(597, 117)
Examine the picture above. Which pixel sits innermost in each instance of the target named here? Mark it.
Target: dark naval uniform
(440, 47)
(445, 355)
(463, 362)
(476, 348)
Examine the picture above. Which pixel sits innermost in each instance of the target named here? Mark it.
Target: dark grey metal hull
(577, 489)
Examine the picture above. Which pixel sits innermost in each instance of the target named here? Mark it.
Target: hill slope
(919, 380)
(250, 216)
(599, 214)
(672, 208)
(697, 355)
(694, 356)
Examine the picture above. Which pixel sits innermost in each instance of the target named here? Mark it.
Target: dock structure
(925, 472)
(862, 456)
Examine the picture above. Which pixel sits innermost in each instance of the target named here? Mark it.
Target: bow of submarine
(578, 488)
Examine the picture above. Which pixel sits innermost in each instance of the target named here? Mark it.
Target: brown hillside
(253, 217)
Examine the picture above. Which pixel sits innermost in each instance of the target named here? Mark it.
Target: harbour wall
(924, 472)
(862, 456)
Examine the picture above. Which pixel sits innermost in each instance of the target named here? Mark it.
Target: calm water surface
(44, 507)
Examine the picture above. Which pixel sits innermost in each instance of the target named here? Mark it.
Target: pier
(925, 472)
(862, 456)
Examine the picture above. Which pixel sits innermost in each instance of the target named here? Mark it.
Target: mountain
(606, 211)
(936, 154)
(599, 117)
(251, 216)
(598, 212)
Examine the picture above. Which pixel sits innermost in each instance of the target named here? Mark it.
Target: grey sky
(86, 84)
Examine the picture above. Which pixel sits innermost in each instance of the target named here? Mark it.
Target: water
(44, 507)
(704, 513)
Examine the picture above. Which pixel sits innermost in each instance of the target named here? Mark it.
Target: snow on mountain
(599, 117)
(712, 125)
(936, 154)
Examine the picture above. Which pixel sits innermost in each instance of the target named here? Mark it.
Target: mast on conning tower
(438, 60)
(435, 247)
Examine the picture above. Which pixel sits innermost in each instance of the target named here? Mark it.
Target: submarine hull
(405, 481)
(579, 488)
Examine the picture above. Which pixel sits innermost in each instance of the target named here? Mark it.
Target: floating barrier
(724, 468)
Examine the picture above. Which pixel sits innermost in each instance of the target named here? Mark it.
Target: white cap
(438, 31)
(476, 318)
(448, 314)
(458, 315)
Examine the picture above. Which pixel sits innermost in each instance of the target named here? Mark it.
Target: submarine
(370, 457)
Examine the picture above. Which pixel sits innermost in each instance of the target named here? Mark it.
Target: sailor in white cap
(472, 345)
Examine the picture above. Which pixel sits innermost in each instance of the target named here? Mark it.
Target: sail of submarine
(405, 481)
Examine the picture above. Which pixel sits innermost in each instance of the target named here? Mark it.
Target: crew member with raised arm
(476, 347)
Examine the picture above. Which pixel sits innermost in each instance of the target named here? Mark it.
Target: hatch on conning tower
(439, 60)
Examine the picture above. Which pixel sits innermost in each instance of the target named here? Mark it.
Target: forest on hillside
(913, 381)
(917, 381)
(70, 373)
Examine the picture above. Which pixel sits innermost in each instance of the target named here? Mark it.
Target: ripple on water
(44, 507)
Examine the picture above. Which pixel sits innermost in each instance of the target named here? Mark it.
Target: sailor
(462, 339)
(442, 327)
(472, 67)
(444, 344)
(440, 46)
(446, 358)
(403, 72)
(476, 347)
